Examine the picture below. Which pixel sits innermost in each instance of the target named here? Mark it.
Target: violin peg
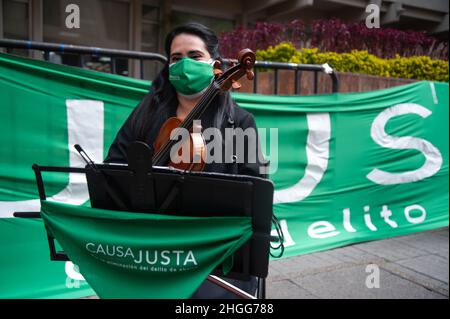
(217, 64)
(250, 75)
(217, 72)
(236, 85)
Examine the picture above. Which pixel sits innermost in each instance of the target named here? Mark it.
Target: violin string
(212, 90)
(162, 153)
(164, 148)
(167, 145)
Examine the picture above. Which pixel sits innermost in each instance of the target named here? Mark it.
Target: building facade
(142, 24)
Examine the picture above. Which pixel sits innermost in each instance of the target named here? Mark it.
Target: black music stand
(139, 187)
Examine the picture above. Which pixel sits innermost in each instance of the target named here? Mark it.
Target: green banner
(133, 255)
(347, 167)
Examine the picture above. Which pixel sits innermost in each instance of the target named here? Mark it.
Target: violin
(222, 81)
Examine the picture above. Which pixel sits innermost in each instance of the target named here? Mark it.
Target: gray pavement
(410, 267)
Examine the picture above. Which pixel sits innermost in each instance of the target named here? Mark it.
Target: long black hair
(161, 101)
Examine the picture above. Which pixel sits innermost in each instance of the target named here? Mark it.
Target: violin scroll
(247, 58)
(245, 62)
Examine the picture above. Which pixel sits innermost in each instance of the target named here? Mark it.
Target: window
(16, 22)
(150, 38)
(15, 19)
(150, 28)
(103, 23)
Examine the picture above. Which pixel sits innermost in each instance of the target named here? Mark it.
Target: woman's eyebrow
(195, 51)
(189, 53)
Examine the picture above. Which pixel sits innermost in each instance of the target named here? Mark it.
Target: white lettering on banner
(165, 256)
(324, 229)
(139, 256)
(415, 220)
(90, 247)
(190, 258)
(347, 225)
(317, 154)
(433, 158)
(85, 127)
(433, 93)
(368, 220)
(386, 213)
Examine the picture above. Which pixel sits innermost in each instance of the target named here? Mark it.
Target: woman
(190, 47)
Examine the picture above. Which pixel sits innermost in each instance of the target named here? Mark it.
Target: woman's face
(188, 45)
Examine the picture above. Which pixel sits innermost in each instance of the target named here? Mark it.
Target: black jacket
(235, 118)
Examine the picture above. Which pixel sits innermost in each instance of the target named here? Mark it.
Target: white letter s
(433, 158)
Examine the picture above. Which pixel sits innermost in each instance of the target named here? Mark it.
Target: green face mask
(190, 77)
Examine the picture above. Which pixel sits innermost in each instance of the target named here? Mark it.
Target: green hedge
(417, 67)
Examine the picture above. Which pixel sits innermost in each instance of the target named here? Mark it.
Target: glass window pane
(150, 38)
(103, 23)
(150, 13)
(16, 23)
(15, 19)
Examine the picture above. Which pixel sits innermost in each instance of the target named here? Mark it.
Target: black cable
(280, 236)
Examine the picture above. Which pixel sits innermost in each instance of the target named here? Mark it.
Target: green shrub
(415, 67)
